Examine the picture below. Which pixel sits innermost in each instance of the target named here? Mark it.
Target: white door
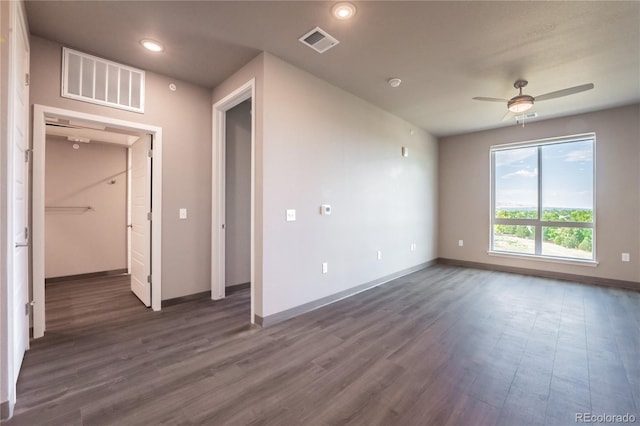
(19, 177)
(140, 204)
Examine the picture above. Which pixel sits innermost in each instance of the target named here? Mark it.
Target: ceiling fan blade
(508, 116)
(564, 92)
(480, 98)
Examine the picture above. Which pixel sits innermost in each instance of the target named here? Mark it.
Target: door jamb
(40, 113)
(241, 94)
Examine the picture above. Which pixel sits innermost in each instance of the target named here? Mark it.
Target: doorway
(144, 188)
(238, 197)
(232, 263)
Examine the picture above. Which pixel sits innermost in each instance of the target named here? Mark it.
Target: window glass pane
(567, 242)
(516, 183)
(514, 238)
(567, 182)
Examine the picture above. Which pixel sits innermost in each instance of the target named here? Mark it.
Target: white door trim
(220, 108)
(40, 113)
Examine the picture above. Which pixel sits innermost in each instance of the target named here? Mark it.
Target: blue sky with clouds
(567, 176)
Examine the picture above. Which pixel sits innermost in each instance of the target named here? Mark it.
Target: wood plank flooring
(443, 346)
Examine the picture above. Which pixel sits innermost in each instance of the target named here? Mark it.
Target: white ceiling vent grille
(319, 40)
(92, 79)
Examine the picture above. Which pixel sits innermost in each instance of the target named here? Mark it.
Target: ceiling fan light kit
(520, 103)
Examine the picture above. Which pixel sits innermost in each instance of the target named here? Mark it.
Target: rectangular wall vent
(319, 40)
(92, 79)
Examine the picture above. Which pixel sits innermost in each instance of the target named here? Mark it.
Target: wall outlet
(291, 215)
(379, 255)
(325, 267)
(182, 213)
(625, 257)
(460, 243)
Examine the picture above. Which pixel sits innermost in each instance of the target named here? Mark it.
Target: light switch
(460, 243)
(325, 267)
(625, 257)
(291, 215)
(183, 213)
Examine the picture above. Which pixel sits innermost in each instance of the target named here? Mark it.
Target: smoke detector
(394, 82)
(319, 40)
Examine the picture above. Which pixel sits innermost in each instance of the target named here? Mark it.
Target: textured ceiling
(444, 52)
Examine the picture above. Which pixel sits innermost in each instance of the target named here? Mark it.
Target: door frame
(218, 162)
(40, 114)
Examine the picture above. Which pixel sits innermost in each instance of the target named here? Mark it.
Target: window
(542, 201)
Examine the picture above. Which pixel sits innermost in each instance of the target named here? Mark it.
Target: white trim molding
(220, 108)
(40, 114)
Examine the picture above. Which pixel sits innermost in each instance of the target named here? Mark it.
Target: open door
(140, 226)
(19, 193)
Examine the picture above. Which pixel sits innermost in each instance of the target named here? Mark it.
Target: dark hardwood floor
(443, 346)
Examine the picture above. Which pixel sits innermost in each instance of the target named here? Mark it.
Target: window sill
(522, 256)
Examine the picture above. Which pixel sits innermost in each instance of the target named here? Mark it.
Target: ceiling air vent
(96, 80)
(319, 40)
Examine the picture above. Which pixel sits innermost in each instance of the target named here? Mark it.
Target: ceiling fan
(521, 103)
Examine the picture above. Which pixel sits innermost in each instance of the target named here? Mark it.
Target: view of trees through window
(543, 199)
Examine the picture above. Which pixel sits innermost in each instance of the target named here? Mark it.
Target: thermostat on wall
(325, 210)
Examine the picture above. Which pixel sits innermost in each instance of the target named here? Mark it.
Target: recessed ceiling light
(343, 10)
(152, 45)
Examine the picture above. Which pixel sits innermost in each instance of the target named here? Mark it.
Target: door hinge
(26, 233)
(149, 279)
(28, 306)
(26, 79)
(149, 216)
(27, 152)
(150, 153)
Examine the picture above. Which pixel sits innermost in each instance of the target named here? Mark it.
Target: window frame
(539, 223)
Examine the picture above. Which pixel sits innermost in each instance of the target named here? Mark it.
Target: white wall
(238, 195)
(464, 191)
(185, 118)
(323, 145)
(317, 144)
(84, 241)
